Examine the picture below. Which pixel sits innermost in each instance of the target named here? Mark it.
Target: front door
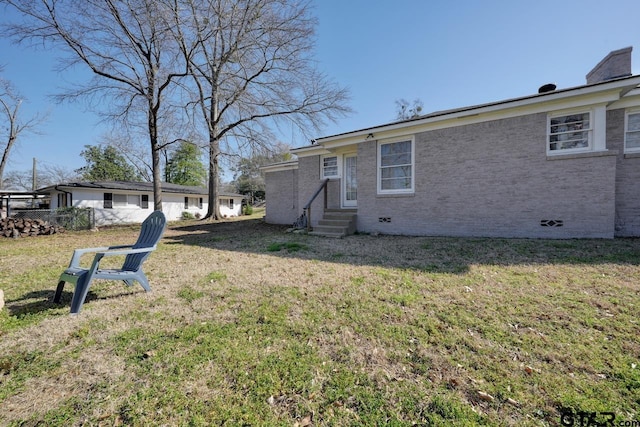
(350, 182)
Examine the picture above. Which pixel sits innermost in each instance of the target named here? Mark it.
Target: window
(145, 201)
(570, 132)
(120, 200)
(112, 200)
(330, 167)
(227, 203)
(193, 202)
(632, 132)
(395, 167)
(125, 200)
(108, 200)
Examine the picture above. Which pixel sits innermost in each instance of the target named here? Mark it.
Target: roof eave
(281, 166)
(611, 90)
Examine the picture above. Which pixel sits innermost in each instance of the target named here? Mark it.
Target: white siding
(226, 211)
(87, 198)
(173, 205)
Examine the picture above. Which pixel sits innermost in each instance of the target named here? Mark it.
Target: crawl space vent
(551, 223)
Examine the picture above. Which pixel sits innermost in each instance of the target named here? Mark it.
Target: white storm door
(350, 182)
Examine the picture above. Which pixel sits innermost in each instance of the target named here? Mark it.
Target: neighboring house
(557, 164)
(117, 202)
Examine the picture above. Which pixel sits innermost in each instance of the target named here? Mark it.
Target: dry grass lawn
(249, 325)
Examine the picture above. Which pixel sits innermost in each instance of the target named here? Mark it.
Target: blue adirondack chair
(131, 270)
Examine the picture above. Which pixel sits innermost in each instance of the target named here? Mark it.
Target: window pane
(396, 147)
(569, 140)
(330, 161)
(569, 123)
(633, 122)
(396, 172)
(567, 132)
(330, 166)
(398, 153)
(633, 140)
(133, 200)
(119, 200)
(395, 166)
(331, 171)
(192, 203)
(395, 159)
(108, 201)
(396, 184)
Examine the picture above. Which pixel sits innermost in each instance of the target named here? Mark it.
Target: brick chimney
(616, 64)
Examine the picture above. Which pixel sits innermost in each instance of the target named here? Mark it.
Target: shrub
(73, 218)
(188, 215)
(248, 209)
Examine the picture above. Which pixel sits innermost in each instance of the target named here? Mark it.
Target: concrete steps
(336, 223)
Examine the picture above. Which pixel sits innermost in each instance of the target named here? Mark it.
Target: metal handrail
(307, 208)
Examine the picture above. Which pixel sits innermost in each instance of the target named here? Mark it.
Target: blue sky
(447, 53)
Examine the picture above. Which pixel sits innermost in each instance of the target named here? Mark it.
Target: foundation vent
(551, 223)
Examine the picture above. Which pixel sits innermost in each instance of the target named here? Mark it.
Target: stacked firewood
(23, 227)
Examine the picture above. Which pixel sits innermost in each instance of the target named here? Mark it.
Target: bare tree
(252, 69)
(125, 43)
(18, 180)
(405, 111)
(47, 174)
(14, 126)
(50, 174)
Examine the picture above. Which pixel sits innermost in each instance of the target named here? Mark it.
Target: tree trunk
(214, 180)
(155, 150)
(157, 186)
(213, 212)
(12, 117)
(5, 158)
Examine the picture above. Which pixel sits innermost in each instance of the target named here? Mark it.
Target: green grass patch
(287, 246)
(215, 276)
(189, 294)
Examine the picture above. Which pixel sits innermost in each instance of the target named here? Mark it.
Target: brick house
(562, 163)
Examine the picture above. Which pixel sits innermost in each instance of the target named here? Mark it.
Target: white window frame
(130, 200)
(338, 166)
(589, 131)
(192, 203)
(379, 166)
(631, 112)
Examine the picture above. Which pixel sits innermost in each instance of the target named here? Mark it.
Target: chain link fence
(69, 218)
